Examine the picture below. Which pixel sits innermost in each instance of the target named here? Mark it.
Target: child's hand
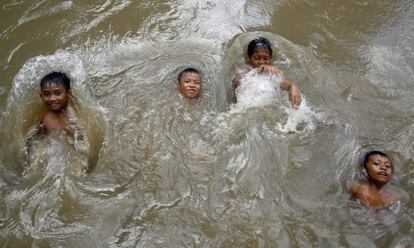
(272, 70)
(294, 96)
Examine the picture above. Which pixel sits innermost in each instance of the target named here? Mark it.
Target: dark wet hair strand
(260, 42)
(58, 78)
(187, 70)
(372, 153)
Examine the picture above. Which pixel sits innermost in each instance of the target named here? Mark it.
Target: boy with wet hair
(378, 170)
(189, 83)
(60, 118)
(55, 93)
(260, 54)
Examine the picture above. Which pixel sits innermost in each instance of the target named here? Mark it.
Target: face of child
(379, 169)
(190, 85)
(260, 56)
(54, 96)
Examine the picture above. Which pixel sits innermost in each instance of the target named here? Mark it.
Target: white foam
(303, 116)
(257, 90)
(260, 90)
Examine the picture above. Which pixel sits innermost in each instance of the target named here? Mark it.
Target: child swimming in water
(260, 53)
(55, 93)
(189, 83)
(60, 117)
(378, 170)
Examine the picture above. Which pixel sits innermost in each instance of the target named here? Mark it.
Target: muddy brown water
(207, 173)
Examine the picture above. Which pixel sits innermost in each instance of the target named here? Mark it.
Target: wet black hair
(372, 153)
(58, 78)
(260, 42)
(187, 70)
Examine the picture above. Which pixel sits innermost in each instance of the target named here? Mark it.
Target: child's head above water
(55, 90)
(57, 78)
(260, 52)
(189, 83)
(378, 168)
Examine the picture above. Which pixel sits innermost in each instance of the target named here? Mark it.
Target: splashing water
(260, 90)
(301, 119)
(257, 90)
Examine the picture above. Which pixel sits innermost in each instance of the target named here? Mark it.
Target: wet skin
(370, 192)
(55, 97)
(190, 85)
(261, 61)
(379, 170)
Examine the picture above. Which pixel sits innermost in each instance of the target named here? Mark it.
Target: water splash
(257, 90)
(301, 119)
(261, 90)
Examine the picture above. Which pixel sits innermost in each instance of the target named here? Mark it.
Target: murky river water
(206, 173)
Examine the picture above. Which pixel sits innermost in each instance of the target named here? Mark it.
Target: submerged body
(189, 83)
(260, 62)
(60, 119)
(55, 95)
(378, 171)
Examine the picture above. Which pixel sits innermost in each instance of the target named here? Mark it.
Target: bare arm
(294, 92)
(236, 79)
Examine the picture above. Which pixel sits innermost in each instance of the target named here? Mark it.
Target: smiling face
(190, 85)
(379, 169)
(55, 96)
(260, 56)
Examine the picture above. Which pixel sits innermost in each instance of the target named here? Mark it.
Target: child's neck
(377, 185)
(61, 112)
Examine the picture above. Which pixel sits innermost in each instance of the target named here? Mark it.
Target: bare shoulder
(356, 188)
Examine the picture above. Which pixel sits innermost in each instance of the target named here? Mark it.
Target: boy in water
(55, 93)
(260, 53)
(189, 83)
(378, 170)
(60, 118)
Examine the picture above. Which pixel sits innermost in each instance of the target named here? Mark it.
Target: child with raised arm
(260, 52)
(378, 170)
